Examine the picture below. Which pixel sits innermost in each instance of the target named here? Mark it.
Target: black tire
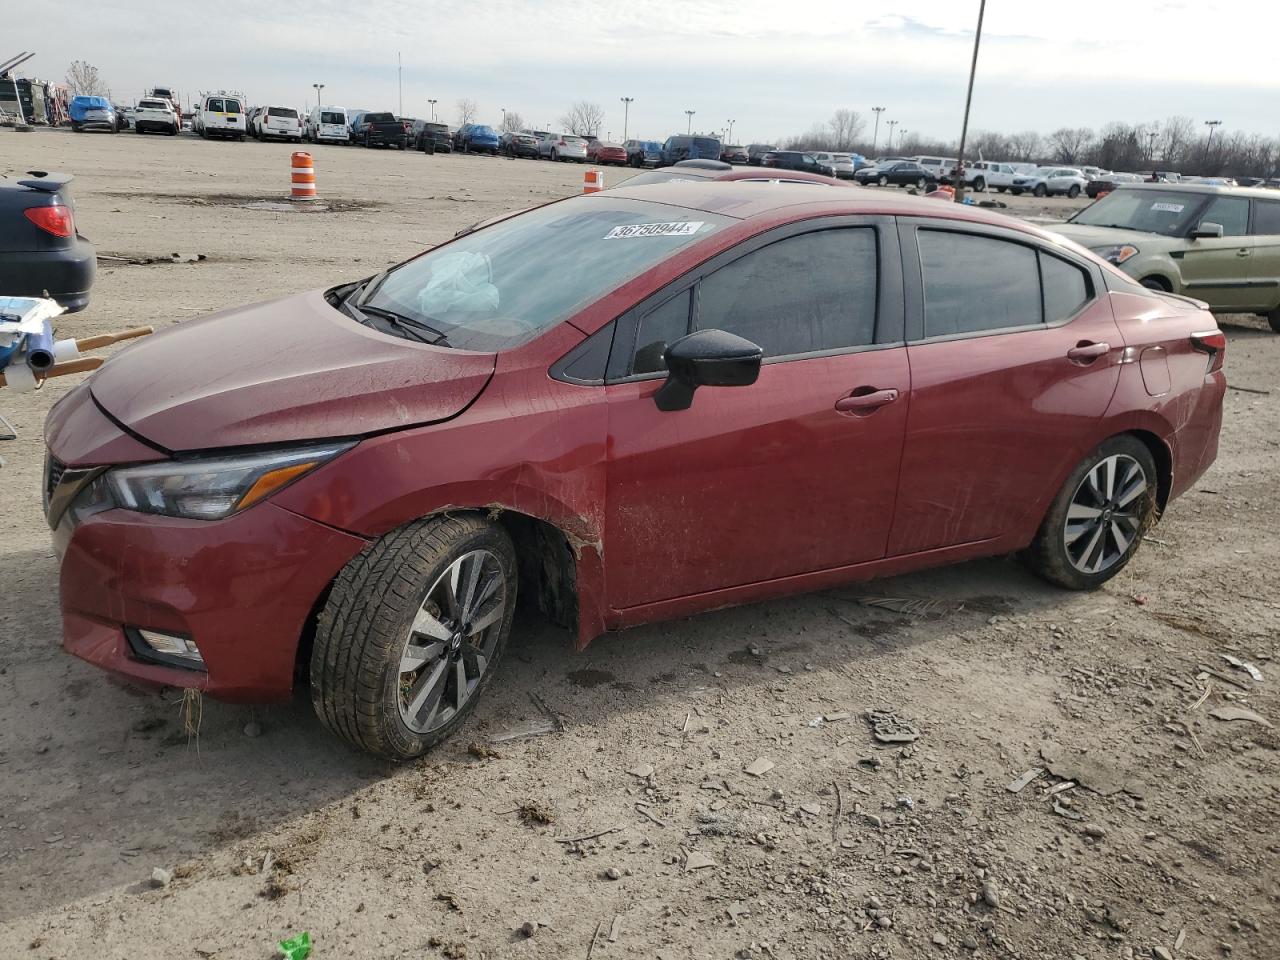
(1273, 318)
(1073, 191)
(980, 185)
(1015, 191)
(1049, 555)
(1001, 189)
(1156, 283)
(75, 127)
(173, 131)
(555, 156)
(1041, 190)
(922, 184)
(365, 624)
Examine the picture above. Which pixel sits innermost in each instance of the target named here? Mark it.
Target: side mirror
(707, 358)
(1207, 230)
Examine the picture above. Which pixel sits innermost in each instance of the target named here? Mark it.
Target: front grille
(53, 471)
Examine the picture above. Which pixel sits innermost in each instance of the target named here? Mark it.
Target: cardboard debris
(1239, 713)
(1104, 777)
(1023, 780)
(758, 768)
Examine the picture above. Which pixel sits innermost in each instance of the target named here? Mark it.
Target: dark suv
(430, 137)
(756, 152)
(514, 144)
(381, 130)
(796, 160)
(643, 153)
(690, 148)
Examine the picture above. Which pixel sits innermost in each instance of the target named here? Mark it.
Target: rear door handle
(868, 402)
(1086, 352)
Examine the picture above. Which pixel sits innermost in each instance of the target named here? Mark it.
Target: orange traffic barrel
(593, 181)
(304, 177)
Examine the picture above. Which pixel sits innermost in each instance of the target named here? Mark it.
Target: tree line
(1176, 144)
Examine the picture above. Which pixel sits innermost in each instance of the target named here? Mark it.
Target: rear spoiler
(45, 181)
(1177, 296)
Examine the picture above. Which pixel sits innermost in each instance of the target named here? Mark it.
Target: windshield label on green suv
(1168, 207)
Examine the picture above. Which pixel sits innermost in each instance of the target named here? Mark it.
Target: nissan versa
(631, 406)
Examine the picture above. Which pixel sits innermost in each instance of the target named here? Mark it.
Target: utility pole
(731, 123)
(433, 109)
(875, 136)
(1151, 146)
(689, 114)
(968, 99)
(400, 82)
(318, 86)
(626, 114)
(1210, 124)
(892, 124)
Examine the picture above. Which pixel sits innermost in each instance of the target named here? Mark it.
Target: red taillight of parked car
(1214, 344)
(55, 220)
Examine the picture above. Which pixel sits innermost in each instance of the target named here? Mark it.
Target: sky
(773, 68)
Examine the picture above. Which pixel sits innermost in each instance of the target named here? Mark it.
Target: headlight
(205, 489)
(1118, 253)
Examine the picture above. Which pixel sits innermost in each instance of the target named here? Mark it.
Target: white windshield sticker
(1168, 207)
(682, 229)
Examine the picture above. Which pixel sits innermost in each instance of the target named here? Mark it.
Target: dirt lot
(845, 848)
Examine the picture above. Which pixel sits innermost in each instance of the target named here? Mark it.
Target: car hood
(1094, 237)
(288, 370)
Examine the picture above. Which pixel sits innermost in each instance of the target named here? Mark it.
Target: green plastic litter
(296, 948)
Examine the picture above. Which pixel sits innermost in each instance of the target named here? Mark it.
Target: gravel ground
(844, 847)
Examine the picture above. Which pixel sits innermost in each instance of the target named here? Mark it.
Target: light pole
(892, 124)
(433, 110)
(319, 87)
(626, 114)
(504, 118)
(1151, 146)
(1210, 124)
(731, 123)
(689, 114)
(400, 82)
(875, 137)
(968, 99)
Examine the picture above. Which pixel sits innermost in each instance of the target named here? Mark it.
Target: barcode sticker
(1168, 207)
(686, 228)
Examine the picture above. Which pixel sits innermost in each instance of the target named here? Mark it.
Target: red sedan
(635, 405)
(599, 151)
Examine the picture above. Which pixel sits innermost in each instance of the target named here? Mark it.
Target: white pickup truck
(152, 113)
(987, 175)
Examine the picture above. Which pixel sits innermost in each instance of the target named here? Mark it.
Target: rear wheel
(1273, 318)
(1156, 283)
(1015, 191)
(1073, 191)
(1099, 516)
(980, 185)
(1000, 189)
(411, 634)
(922, 184)
(1040, 190)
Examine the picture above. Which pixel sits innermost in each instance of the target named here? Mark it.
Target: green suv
(1216, 244)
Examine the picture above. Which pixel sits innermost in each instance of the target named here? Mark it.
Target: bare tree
(84, 81)
(468, 110)
(1069, 143)
(583, 119)
(1176, 141)
(846, 126)
(1026, 147)
(512, 122)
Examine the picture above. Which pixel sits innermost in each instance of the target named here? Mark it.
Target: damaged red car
(629, 406)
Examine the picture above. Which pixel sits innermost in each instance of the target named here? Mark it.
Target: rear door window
(215, 105)
(233, 106)
(960, 272)
(330, 117)
(1266, 217)
(285, 112)
(1066, 288)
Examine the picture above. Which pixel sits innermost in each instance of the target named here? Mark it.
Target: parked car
(281, 123)
(1093, 173)
(152, 113)
(1217, 244)
(353, 121)
(380, 129)
(514, 144)
(702, 170)
(602, 152)
(1106, 184)
(92, 113)
(563, 146)
(220, 115)
(327, 125)
(897, 173)
(984, 175)
(941, 168)
(122, 116)
(690, 148)
(841, 164)
(564, 372)
(41, 252)
(756, 152)
(735, 154)
(1051, 181)
(476, 138)
(797, 160)
(643, 153)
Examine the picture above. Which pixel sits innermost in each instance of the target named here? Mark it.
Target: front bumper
(66, 273)
(243, 589)
(96, 124)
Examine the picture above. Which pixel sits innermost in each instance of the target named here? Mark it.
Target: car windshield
(1165, 212)
(502, 285)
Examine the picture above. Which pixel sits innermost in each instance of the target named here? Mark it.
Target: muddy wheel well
(1164, 465)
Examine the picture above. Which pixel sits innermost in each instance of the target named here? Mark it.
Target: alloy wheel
(451, 641)
(1104, 517)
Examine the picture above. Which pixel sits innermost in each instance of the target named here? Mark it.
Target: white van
(279, 122)
(220, 115)
(327, 125)
(941, 167)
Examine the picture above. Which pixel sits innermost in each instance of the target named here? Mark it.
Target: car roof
(798, 201)
(1203, 188)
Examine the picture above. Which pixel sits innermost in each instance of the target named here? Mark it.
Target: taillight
(55, 219)
(561, 144)
(1213, 343)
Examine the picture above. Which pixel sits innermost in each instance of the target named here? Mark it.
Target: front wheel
(1073, 191)
(1041, 190)
(1015, 191)
(980, 185)
(411, 633)
(922, 184)
(1099, 517)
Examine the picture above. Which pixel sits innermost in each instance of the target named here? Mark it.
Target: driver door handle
(863, 403)
(1086, 351)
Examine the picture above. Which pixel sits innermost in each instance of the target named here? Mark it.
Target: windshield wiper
(414, 328)
(371, 286)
